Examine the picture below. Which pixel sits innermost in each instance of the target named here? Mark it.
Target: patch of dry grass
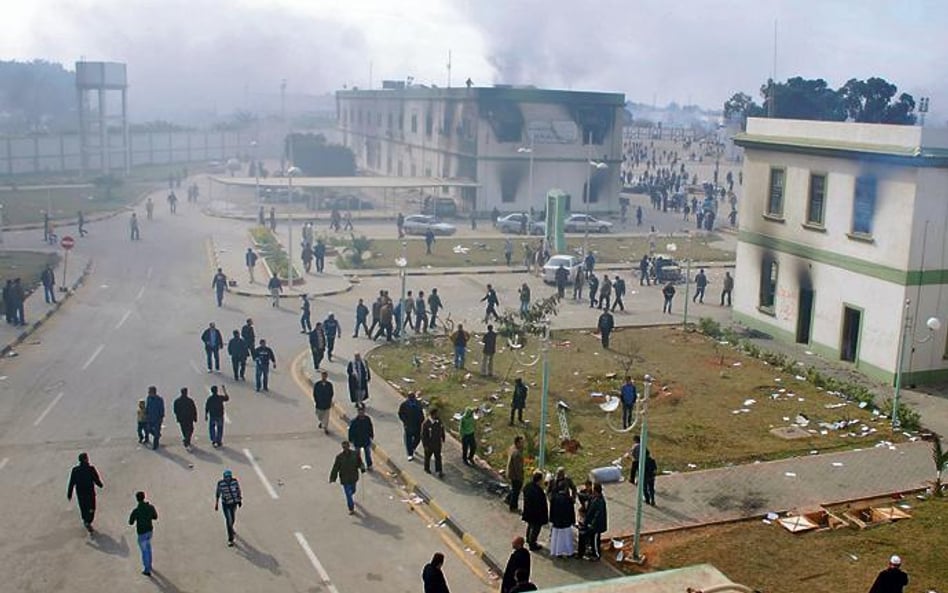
(695, 414)
(769, 558)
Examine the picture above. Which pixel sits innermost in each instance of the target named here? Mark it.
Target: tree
(317, 158)
(741, 106)
(801, 98)
(870, 101)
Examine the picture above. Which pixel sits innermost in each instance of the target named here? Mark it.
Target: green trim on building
(845, 262)
(914, 156)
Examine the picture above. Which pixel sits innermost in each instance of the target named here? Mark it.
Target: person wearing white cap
(228, 494)
(892, 579)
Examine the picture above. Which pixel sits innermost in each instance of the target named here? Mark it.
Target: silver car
(513, 223)
(580, 223)
(418, 224)
(570, 262)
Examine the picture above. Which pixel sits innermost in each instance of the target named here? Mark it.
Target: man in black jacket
(519, 561)
(605, 325)
(322, 398)
(490, 347)
(536, 513)
(185, 412)
(263, 356)
(248, 334)
(432, 439)
(412, 416)
(892, 579)
(83, 480)
(214, 414)
(238, 351)
(361, 435)
(213, 343)
(595, 524)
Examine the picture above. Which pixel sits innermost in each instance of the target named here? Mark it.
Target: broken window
(775, 193)
(864, 205)
(816, 203)
(768, 285)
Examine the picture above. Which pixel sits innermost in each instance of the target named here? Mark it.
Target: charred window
(768, 284)
(864, 205)
(816, 201)
(775, 190)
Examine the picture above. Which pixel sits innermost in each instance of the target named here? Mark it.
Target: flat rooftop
(498, 93)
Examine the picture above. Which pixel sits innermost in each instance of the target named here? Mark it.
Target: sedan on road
(579, 223)
(570, 262)
(513, 223)
(418, 224)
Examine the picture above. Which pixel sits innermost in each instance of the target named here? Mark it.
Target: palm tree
(940, 457)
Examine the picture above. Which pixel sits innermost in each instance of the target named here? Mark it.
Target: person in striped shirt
(228, 495)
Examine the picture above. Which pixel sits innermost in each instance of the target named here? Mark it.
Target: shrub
(909, 419)
(709, 327)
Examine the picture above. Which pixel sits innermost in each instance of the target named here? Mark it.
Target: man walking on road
(83, 480)
(219, 284)
(248, 334)
(361, 434)
(605, 325)
(459, 339)
(305, 324)
(514, 473)
(185, 412)
(49, 284)
(492, 301)
(333, 331)
(412, 416)
(276, 289)
(133, 227)
(214, 414)
(519, 561)
(81, 224)
(238, 351)
(728, 287)
(701, 282)
(361, 314)
(213, 343)
(668, 292)
(317, 345)
(618, 287)
(359, 377)
(421, 314)
(322, 398)
(250, 260)
(262, 357)
(892, 579)
(432, 439)
(434, 306)
(154, 414)
(432, 576)
(346, 467)
(228, 495)
(143, 517)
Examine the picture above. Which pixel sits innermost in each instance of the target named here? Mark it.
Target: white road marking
(48, 408)
(123, 319)
(323, 575)
(256, 468)
(195, 367)
(93, 357)
(140, 293)
(3, 462)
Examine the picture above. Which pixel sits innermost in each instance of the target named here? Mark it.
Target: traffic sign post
(66, 243)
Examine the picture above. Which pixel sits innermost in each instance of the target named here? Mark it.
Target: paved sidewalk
(228, 252)
(36, 309)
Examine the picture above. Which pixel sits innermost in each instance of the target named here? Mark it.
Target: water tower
(99, 149)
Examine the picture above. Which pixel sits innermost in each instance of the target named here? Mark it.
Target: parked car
(418, 224)
(512, 223)
(579, 223)
(570, 262)
(665, 269)
(278, 195)
(216, 167)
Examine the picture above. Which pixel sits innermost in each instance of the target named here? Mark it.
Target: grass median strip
(711, 405)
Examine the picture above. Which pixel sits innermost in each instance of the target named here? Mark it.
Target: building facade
(498, 137)
(840, 225)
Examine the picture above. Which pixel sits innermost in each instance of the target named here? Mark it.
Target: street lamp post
(402, 264)
(529, 150)
(598, 165)
(290, 173)
(544, 396)
(905, 336)
(643, 456)
(256, 171)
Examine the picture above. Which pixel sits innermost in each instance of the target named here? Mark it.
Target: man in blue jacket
(213, 343)
(629, 396)
(154, 414)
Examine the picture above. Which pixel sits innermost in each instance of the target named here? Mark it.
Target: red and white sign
(67, 242)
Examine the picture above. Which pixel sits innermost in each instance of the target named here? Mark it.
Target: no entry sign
(67, 242)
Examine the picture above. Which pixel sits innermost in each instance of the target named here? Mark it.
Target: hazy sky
(206, 54)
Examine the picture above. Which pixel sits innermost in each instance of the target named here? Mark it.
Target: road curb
(443, 516)
(7, 348)
(375, 273)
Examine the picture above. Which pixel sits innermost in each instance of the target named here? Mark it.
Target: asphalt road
(74, 387)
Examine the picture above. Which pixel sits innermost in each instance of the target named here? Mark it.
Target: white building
(493, 136)
(840, 224)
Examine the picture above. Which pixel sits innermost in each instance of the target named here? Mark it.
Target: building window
(414, 123)
(775, 193)
(816, 203)
(768, 285)
(864, 205)
(389, 121)
(378, 120)
(401, 122)
(429, 124)
(359, 117)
